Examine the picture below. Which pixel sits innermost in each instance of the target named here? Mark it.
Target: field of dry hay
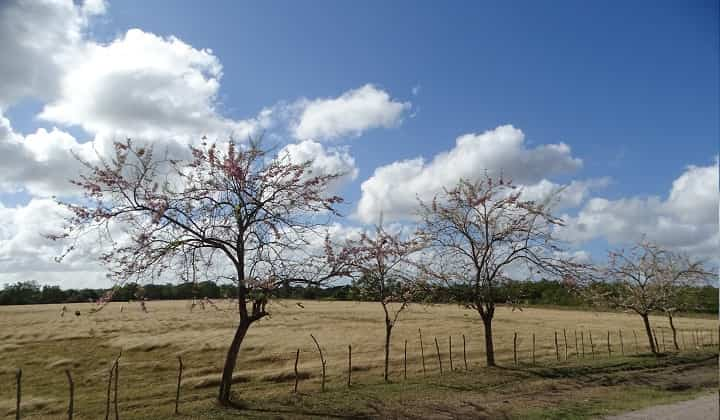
(38, 340)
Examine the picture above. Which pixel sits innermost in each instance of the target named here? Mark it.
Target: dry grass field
(38, 340)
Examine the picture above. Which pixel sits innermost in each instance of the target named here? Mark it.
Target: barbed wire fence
(523, 353)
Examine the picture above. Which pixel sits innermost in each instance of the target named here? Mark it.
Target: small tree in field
(238, 212)
(385, 273)
(477, 230)
(643, 279)
(683, 277)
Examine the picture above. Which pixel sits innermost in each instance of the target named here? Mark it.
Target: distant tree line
(543, 292)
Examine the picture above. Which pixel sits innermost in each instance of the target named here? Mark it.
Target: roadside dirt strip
(703, 408)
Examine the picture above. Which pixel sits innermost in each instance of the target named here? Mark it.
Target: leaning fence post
(18, 394)
(582, 342)
(405, 362)
(682, 337)
(662, 336)
(533, 350)
(577, 354)
(657, 346)
(109, 389)
(464, 353)
(592, 346)
(566, 344)
(702, 341)
(450, 351)
(636, 341)
(437, 348)
(297, 377)
(117, 375)
(608, 344)
(179, 381)
(350, 362)
(622, 346)
(515, 348)
(322, 361)
(422, 351)
(557, 349)
(71, 384)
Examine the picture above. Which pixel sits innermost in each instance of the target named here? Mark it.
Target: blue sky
(631, 87)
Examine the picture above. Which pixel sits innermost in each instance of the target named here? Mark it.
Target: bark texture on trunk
(489, 348)
(388, 331)
(230, 361)
(648, 331)
(674, 331)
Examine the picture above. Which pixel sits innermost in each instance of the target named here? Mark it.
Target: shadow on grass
(244, 409)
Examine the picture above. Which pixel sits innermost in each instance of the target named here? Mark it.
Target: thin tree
(642, 279)
(244, 212)
(382, 265)
(682, 278)
(479, 229)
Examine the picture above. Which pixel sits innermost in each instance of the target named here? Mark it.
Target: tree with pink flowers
(234, 212)
(384, 270)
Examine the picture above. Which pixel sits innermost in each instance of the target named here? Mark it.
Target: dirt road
(702, 408)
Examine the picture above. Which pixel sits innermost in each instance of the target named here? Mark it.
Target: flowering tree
(238, 213)
(384, 272)
(643, 279)
(477, 231)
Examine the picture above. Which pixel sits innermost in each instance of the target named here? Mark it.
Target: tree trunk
(489, 348)
(648, 331)
(674, 331)
(388, 331)
(230, 360)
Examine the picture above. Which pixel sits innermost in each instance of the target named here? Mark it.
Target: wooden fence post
(322, 361)
(464, 353)
(608, 344)
(422, 351)
(657, 346)
(636, 342)
(437, 348)
(405, 362)
(557, 349)
(702, 341)
(18, 392)
(115, 397)
(533, 350)
(71, 385)
(297, 377)
(350, 362)
(179, 382)
(450, 348)
(622, 346)
(566, 343)
(682, 338)
(109, 390)
(662, 335)
(582, 342)
(577, 354)
(515, 348)
(592, 345)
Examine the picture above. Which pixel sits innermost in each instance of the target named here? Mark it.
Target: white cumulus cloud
(687, 220)
(37, 38)
(144, 85)
(394, 188)
(350, 114)
(334, 161)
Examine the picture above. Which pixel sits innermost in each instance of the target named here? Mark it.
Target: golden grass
(37, 339)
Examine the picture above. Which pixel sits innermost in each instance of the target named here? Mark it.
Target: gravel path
(702, 408)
